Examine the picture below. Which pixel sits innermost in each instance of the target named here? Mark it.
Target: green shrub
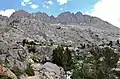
(31, 49)
(35, 57)
(4, 77)
(17, 71)
(23, 42)
(82, 46)
(58, 56)
(62, 57)
(4, 63)
(29, 71)
(97, 66)
(110, 43)
(51, 42)
(117, 42)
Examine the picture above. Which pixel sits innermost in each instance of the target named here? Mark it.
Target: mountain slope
(68, 18)
(31, 38)
(67, 28)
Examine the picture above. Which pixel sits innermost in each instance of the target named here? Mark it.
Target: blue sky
(52, 7)
(107, 10)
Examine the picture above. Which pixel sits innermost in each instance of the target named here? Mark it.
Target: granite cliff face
(40, 24)
(67, 29)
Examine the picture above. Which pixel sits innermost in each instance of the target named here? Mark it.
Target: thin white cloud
(29, 3)
(47, 2)
(50, 2)
(45, 6)
(7, 12)
(26, 1)
(61, 9)
(34, 6)
(23, 4)
(61, 2)
(107, 10)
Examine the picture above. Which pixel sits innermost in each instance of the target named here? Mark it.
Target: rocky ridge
(67, 18)
(44, 33)
(76, 28)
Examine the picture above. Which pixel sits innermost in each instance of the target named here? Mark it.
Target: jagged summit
(20, 13)
(71, 17)
(67, 18)
(63, 18)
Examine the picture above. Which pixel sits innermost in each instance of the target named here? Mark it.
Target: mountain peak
(78, 13)
(65, 18)
(20, 13)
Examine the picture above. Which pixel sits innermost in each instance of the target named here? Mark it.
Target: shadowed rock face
(67, 18)
(79, 17)
(41, 16)
(20, 13)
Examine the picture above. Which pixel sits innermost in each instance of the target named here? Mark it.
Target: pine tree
(62, 57)
(98, 66)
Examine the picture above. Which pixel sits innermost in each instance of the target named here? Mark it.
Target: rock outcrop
(48, 71)
(14, 55)
(6, 72)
